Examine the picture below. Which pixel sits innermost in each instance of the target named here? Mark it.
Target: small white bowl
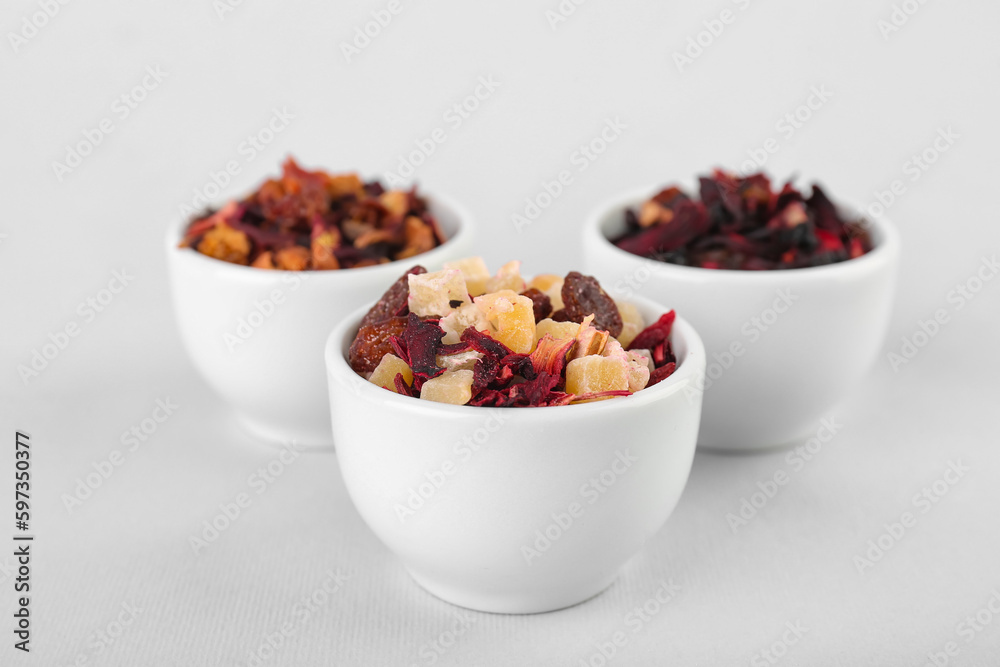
(256, 336)
(458, 492)
(769, 380)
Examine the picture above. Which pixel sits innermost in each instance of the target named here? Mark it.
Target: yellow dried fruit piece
(632, 322)
(344, 184)
(508, 277)
(513, 316)
(450, 387)
(384, 374)
(557, 330)
(551, 285)
(431, 294)
(595, 373)
(474, 271)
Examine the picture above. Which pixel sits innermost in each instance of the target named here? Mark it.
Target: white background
(128, 543)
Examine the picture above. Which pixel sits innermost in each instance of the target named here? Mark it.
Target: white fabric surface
(128, 544)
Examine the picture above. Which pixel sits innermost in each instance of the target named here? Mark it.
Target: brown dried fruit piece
(393, 301)
(373, 342)
(582, 295)
(540, 301)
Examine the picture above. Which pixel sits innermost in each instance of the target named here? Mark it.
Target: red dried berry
(656, 333)
(661, 373)
(582, 296)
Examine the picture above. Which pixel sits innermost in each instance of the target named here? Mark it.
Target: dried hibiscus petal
(656, 333)
(582, 296)
(661, 373)
(422, 340)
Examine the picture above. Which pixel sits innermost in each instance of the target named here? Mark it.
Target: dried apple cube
(475, 273)
(645, 356)
(557, 330)
(594, 373)
(432, 294)
(508, 277)
(639, 368)
(632, 322)
(453, 387)
(551, 285)
(513, 315)
(460, 319)
(385, 373)
(458, 362)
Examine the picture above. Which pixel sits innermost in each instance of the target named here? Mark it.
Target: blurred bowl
(783, 347)
(256, 336)
(515, 510)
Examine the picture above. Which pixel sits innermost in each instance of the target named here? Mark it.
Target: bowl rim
(885, 237)
(687, 370)
(463, 233)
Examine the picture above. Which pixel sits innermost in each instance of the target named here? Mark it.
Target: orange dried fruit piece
(513, 315)
(344, 184)
(594, 373)
(292, 258)
(265, 260)
(397, 202)
(225, 243)
(508, 277)
(384, 374)
(475, 273)
(419, 238)
(551, 285)
(323, 245)
(453, 387)
(432, 294)
(632, 322)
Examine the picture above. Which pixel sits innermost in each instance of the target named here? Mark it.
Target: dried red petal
(402, 387)
(582, 296)
(656, 333)
(661, 373)
(422, 340)
(483, 342)
(549, 355)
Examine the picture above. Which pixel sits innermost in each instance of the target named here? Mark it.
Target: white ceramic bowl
(256, 336)
(458, 492)
(783, 346)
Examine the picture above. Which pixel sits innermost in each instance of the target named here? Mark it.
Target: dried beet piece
(582, 296)
(540, 303)
(661, 373)
(393, 302)
(422, 340)
(373, 342)
(656, 333)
